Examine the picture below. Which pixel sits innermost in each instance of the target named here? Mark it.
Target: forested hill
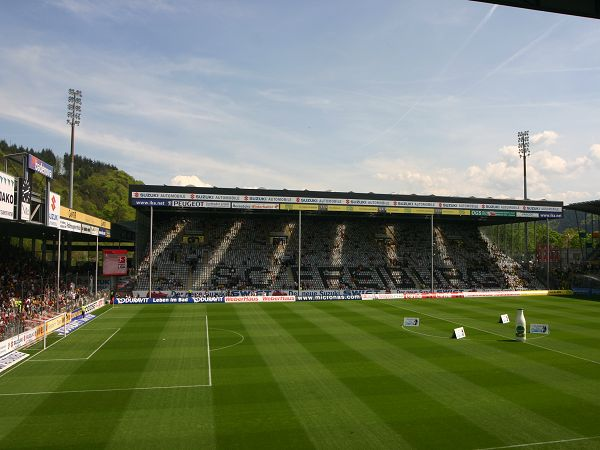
(100, 189)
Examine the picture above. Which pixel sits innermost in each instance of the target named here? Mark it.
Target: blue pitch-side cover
(149, 300)
(75, 323)
(11, 359)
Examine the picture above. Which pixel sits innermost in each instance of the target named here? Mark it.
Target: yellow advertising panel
(39, 331)
(533, 292)
(393, 210)
(71, 214)
(193, 239)
(349, 208)
(560, 292)
(54, 324)
(298, 207)
(456, 212)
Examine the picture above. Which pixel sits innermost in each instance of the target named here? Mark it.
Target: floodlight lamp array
(74, 107)
(523, 143)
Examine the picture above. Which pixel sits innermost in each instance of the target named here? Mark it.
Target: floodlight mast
(73, 119)
(523, 145)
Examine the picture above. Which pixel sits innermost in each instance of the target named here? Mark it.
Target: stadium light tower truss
(523, 145)
(523, 142)
(73, 119)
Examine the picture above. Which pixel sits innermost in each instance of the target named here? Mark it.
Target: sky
(385, 96)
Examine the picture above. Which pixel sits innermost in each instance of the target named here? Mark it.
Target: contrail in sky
(460, 49)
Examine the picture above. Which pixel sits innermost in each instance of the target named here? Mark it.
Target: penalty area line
(107, 339)
(83, 391)
(32, 357)
(560, 441)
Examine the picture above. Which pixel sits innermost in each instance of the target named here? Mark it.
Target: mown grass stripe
(504, 419)
(387, 394)
(538, 368)
(249, 407)
(71, 409)
(566, 319)
(332, 415)
(515, 372)
(178, 357)
(569, 349)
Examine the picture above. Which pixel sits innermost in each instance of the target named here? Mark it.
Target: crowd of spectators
(28, 292)
(261, 252)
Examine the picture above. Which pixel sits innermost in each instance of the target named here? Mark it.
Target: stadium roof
(32, 230)
(583, 8)
(592, 207)
(191, 198)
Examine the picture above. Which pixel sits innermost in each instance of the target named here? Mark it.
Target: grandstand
(209, 239)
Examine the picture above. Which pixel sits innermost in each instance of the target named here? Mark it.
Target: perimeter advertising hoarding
(37, 165)
(315, 203)
(294, 207)
(25, 199)
(77, 216)
(7, 196)
(69, 225)
(53, 209)
(427, 211)
(115, 262)
(348, 208)
(239, 205)
(490, 213)
(151, 300)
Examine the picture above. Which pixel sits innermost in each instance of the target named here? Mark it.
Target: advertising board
(53, 210)
(37, 165)
(114, 262)
(7, 196)
(151, 301)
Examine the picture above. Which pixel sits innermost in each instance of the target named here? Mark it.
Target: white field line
(101, 345)
(56, 342)
(100, 329)
(81, 359)
(59, 359)
(228, 346)
(82, 391)
(146, 318)
(424, 334)
(543, 443)
(496, 334)
(208, 352)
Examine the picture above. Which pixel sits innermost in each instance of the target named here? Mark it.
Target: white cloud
(570, 196)
(511, 152)
(549, 162)
(188, 180)
(595, 152)
(545, 138)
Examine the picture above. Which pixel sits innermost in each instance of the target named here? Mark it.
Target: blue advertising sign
(36, 164)
(146, 202)
(550, 215)
(150, 300)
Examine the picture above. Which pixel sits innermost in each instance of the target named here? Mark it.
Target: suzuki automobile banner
(53, 209)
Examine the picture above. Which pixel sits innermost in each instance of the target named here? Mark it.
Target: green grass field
(342, 374)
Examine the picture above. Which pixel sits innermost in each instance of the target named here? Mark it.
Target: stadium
(227, 317)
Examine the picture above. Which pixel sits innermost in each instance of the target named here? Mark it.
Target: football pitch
(341, 374)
